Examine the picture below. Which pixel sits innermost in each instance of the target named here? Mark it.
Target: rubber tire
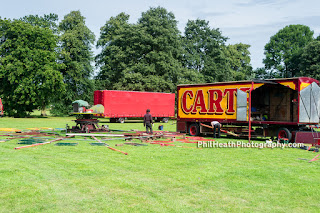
(285, 132)
(194, 129)
(165, 120)
(121, 120)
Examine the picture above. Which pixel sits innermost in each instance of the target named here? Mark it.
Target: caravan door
(242, 106)
(309, 104)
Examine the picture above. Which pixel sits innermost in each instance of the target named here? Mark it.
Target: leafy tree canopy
(205, 51)
(145, 56)
(284, 48)
(29, 73)
(238, 56)
(46, 21)
(76, 57)
(310, 57)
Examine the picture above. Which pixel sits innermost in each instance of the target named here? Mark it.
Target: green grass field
(152, 178)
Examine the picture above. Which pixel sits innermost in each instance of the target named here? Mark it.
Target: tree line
(46, 63)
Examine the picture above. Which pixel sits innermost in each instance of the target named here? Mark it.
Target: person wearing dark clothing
(147, 121)
(216, 126)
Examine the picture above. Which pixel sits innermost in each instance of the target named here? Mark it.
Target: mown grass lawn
(152, 178)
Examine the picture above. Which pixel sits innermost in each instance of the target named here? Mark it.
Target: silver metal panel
(315, 103)
(304, 105)
(242, 105)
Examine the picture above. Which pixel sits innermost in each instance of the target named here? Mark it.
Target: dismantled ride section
(35, 138)
(85, 121)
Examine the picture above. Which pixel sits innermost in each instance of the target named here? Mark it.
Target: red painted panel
(308, 80)
(97, 97)
(181, 126)
(134, 104)
(307, 137)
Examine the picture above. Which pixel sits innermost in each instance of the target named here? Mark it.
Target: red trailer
(282, 108)
(119, 105)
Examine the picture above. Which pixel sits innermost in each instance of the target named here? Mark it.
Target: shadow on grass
(37, 116)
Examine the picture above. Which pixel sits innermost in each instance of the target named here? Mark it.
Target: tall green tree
(76, 55)
(145, 56)
(164, 50)
(260, 73)
(238, 56)
(29, 72)
(113, 58)
(283, 51)
(310, 60)
(45, 21)
(205, 51)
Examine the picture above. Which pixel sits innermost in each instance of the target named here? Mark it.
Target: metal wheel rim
(193, 130)
(282, 134)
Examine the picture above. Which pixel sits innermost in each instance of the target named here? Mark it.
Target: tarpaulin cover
(81, 103)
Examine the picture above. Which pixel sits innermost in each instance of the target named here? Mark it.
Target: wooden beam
(97, 135)
(109, 146)
(227, 132)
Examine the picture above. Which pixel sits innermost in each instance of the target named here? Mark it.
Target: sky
(250, 22)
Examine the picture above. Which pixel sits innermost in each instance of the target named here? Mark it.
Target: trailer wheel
(284, 133)
(165, 120)
(194, 129)
(121, 120)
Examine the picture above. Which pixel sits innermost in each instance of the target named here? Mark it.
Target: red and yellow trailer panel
(274, 102)
(210, 102)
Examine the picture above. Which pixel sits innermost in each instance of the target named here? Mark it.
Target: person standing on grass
(148, 122)
(216, 126)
